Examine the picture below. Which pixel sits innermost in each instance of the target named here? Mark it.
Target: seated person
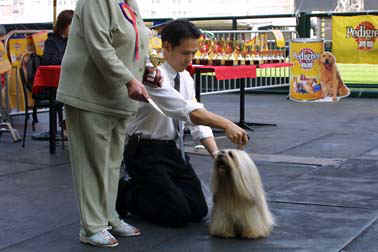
(55, 45)
(163, 187)
(53, 52)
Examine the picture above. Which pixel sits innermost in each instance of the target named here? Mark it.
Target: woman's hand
(137, 91)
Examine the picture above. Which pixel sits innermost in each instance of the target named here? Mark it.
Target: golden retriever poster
(314, 73)
(328, 87)
(332, 86)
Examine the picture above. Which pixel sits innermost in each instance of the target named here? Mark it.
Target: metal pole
(5, 125)
(241, 83)
(234, 24)
(54, 12)
(303, 25)
(198, 84)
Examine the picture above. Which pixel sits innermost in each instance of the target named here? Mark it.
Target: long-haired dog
(240, 207)
(330, 80)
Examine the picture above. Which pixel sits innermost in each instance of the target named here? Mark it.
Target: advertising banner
(5, 65)
(304, 78)
(314, 74)
(17, 47)
(280, 39)
(39, 42)
(355, 39)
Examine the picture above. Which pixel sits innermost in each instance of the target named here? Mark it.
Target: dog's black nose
(220, 155)
(327, 61)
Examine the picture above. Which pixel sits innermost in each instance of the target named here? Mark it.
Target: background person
(55, 45)
(101, 74)
(53, 52)
(164, 188)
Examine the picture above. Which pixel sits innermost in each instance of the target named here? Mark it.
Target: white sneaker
(124, 229)
(100, 239)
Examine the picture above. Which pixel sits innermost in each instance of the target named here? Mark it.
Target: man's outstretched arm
(203, 117)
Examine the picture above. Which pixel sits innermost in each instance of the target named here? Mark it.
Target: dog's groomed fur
(330, 79)
(240, 207)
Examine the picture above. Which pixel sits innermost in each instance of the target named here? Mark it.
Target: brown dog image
(240, 208)
(330, 79)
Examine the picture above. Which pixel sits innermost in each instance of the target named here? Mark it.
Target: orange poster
(355, 39)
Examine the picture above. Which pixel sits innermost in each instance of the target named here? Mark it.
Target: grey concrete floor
(319, 166)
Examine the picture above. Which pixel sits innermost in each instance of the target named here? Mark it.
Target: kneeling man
(164, 188)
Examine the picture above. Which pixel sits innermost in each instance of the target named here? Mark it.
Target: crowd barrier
(267, 51)
(271, 61)
(13, 87)
(12, 101)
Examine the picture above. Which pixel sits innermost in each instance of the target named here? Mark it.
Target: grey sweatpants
(96, 144)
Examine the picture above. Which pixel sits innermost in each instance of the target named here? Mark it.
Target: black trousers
(163, 188)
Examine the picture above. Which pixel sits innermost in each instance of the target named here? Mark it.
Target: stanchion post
(242, 123)
(241, 83)
(52, 122)
(198, 84)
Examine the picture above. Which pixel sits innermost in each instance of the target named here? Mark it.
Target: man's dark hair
(177, 30)
(64, 19)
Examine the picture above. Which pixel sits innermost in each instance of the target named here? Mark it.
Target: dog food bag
(305, 71)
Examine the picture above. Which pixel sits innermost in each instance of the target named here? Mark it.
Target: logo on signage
(306, 57)
(364, 34)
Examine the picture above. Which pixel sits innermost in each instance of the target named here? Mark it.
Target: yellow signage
(305, 71)
(355, 39)
(17, 47)
(5, 65)
(155, 43)
(280, 39)
(39, 39)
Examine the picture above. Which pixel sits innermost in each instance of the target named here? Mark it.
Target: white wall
(36, 11)
(204, 8)
(31, 11)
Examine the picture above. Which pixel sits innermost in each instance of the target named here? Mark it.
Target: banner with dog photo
(355, 39)
(314, 76)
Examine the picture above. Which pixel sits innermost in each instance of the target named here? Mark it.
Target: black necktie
(177, 82)
(177, 123)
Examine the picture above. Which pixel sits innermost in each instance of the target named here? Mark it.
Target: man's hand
(152, 77)
(236, 134)
(137, 91)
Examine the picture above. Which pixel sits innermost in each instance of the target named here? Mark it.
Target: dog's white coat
(239, 203)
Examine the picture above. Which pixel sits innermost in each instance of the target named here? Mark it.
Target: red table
(272, 65)
(228, 72)
(48, 77)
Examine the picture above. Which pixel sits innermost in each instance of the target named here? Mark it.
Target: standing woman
(55, 45)
(101, 76)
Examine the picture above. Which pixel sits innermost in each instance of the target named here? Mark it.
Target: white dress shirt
(153, 125)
